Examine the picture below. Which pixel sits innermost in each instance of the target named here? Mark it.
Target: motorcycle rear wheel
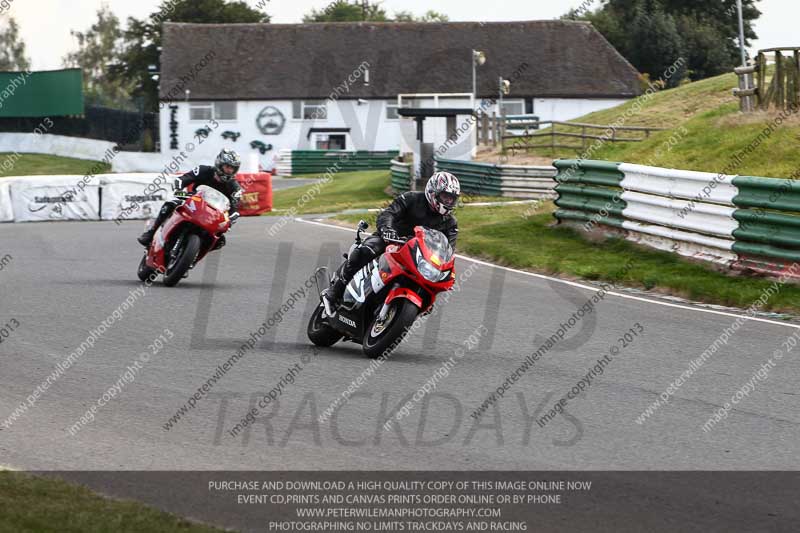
(384, 339)
(191, 247)
(320, 333)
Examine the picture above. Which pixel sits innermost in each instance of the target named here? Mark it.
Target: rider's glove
(389, 234)
(177, 184)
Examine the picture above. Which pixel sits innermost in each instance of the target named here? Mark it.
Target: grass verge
(41, 164)
(512, 236)
(346, 190)
(31, 503)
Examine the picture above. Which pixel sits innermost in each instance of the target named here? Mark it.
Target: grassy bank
(704, 131)
(29, 503)
(512, 236)
(346, 190)
(41, 164)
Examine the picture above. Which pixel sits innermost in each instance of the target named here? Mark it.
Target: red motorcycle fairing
(206, 220)
(408, 294)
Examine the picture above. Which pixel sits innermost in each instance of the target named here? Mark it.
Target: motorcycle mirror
(363, 225)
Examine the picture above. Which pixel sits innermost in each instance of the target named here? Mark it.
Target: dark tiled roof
(286, 61)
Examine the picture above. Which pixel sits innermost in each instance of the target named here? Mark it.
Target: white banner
(48, 198)
(134, 197)
(6, 209)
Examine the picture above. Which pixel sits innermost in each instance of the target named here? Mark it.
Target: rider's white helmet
(442, 192)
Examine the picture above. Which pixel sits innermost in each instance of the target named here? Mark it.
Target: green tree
(12, 48)
(143, 38)
(429, 16)
(659, 45)
(364, 11)
(344, 11)
(99, 49)
(707, 31)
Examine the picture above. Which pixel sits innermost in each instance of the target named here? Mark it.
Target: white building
(265, 87)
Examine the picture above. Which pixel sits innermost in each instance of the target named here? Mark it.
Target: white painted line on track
(594, 289)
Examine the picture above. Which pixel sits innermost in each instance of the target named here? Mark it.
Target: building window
(331, 142)
(513, 107)
(309, 110)
(225, 110)
(201, 111)
(391, 110)
(208, 111)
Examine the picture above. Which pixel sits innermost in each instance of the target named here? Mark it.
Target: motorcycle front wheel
(182, 261)
(144, 272)
(382, 337)
(320, 333)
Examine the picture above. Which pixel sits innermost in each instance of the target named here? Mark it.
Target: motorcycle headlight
(428, 271)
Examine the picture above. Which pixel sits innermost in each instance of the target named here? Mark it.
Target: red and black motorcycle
(193, 230)
(384, 298)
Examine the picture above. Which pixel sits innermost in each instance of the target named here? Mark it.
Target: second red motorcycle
(193, 230)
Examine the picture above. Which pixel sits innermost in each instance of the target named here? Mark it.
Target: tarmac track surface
(64, 279)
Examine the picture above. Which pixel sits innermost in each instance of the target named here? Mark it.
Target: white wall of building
(562, 109)
(370, 129)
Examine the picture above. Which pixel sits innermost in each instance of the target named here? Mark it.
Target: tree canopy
(12, 48)
(654, 34)
(99, 48)
(143, 38)
(364, 11)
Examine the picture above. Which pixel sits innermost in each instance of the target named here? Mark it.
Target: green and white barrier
(401, 176)
(516, 181)
(741, 221)
(296, 162)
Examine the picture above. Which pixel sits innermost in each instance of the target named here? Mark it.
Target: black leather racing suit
(403, 214)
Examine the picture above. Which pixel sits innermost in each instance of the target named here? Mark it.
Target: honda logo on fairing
(347, 321)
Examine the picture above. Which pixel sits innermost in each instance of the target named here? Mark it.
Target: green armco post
(769, 193)
(476, 178)
(320, 161)
(765, 250)
(603, 173)
(581, 216)
(589, 188)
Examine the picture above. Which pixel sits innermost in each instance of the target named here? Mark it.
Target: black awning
(434, 111)
(326, 130)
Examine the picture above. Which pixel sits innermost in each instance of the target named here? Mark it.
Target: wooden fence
(553, 134)
(782, 91)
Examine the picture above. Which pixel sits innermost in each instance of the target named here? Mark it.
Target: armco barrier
(108, 197)
(501, 180)
(401, 176)
(746, 223)
(295, 162)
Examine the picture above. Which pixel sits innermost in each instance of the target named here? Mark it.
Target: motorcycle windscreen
(438, 246)
(365, 283)
(214, 198)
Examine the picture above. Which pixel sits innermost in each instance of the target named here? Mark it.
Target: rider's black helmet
(227, 157)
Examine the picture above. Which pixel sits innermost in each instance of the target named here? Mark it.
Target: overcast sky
(46, 24)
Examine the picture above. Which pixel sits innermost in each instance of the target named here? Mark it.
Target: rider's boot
(146, 238)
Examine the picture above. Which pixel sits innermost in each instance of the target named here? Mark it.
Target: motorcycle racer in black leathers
(431, 209)
(222, 177)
